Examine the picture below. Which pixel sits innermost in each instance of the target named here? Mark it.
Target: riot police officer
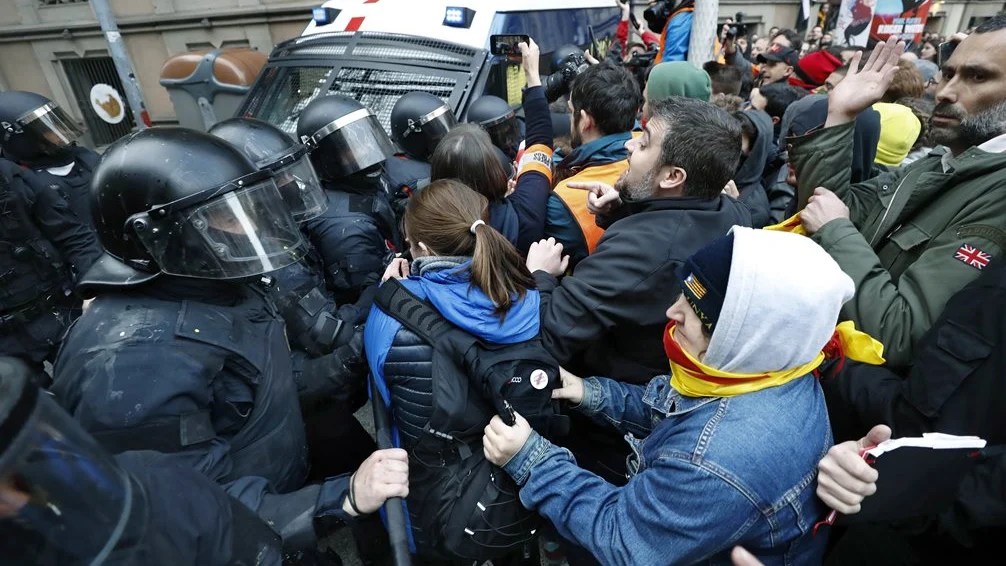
(358, 232)
(316, 326)
(182, 351)
(43, 244)
(65, 501)
(309, 310)
(38, 134)
(499, 120)
(419, 121)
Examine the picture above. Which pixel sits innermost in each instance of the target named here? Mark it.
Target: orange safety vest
(576, 199)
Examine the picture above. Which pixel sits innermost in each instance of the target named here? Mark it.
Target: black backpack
(460, 505)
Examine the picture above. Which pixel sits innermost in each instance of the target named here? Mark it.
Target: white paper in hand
(934, 440)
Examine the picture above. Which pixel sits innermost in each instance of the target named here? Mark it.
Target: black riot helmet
(271, 149)
(344, 135)
(36, 131)
(63, 499)
(419, 121)
(182, 202)
(498, 119)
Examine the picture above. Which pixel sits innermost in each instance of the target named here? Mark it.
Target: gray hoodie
(761, 329)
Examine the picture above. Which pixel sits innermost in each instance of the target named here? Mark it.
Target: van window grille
(379, 89)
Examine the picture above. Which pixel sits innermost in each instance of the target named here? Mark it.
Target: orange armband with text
(536, 158)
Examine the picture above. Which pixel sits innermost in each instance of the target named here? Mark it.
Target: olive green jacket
(908, 242)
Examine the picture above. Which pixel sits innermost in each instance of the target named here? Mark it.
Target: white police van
(377, 50)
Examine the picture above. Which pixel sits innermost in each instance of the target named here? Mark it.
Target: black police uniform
(179, 353)
(75, 185)
(199, 371)
(200, 368)
(358, 234)
(314, 326)
(36, 133)
(40, 240)
(328, 366)
(69, 502)
(327, 355)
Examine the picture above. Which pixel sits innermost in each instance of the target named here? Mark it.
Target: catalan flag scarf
(791, 224)
(694, 379)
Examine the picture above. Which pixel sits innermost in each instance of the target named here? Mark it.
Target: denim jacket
(706, 474)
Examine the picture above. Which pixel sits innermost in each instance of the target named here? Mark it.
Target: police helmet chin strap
(10, 130)
(309, 143)
(414, 126)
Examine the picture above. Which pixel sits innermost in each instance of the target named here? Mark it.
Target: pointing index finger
(592, 187)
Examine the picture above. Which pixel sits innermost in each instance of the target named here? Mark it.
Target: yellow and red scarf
(791, 224)
(694, 379)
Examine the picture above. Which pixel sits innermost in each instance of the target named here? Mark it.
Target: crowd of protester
(744, 275)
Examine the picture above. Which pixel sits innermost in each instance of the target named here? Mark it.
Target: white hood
(781, 304)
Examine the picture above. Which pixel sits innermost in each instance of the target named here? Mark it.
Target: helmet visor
(505, 134)
(433, 126)
(50, 127)
(436, 124)
(238, 234)
(63, 500)
(354, 142)
(301, 191)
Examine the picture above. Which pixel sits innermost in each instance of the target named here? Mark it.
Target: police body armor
(67, 502)
(358, 210)
(30, 266)
(196, 346)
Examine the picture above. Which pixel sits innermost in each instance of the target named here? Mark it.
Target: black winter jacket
(957, 385)
(610, 311)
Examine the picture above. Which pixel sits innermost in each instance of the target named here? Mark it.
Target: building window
(45, 3)
(108, 117)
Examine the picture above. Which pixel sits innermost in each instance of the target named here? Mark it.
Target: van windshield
(371, 67)
(289, 90)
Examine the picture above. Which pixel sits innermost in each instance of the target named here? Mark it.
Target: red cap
(813, 70)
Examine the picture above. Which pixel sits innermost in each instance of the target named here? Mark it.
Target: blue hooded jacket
(450, 292)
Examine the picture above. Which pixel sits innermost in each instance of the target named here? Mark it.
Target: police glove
(338, 376)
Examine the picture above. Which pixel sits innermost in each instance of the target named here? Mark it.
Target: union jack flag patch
(973, 256)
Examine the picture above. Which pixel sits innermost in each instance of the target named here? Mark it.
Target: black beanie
(704, 276)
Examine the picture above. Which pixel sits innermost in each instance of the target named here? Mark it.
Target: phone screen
(507, 44)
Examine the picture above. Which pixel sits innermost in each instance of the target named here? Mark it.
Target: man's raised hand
(864, 87)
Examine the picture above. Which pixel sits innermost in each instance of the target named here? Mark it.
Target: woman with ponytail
(468, 272)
